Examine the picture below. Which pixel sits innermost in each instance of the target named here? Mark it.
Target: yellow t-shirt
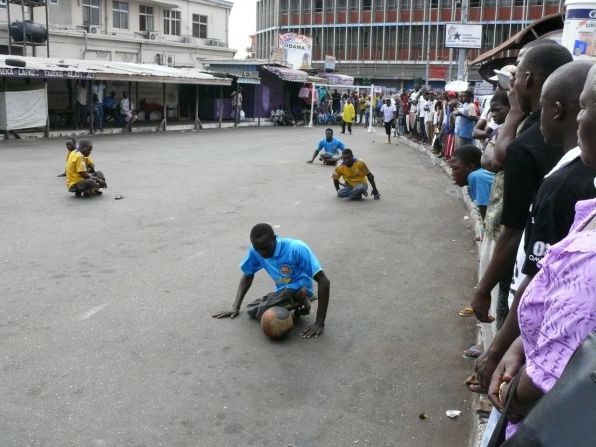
(353, 174)
(349, 113)
(89, 162)
(75, 164)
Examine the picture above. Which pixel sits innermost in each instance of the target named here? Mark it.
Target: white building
(179, 33)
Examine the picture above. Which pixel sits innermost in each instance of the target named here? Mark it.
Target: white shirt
(82, 95)
(388, 112)
(99, 90)
(125, 105)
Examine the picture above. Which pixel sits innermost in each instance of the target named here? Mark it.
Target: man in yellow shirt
(355, 174)
(81, 177)
(348, 116)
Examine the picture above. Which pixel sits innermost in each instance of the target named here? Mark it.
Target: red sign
(437, 72)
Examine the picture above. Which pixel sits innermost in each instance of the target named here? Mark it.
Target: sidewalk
(479, 421)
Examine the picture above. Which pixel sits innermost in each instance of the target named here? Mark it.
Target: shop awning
(48, 68)
(534, 31)
(242, 77)
(288, 74)
(317, 80)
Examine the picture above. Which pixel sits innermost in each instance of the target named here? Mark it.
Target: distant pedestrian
(348, 116)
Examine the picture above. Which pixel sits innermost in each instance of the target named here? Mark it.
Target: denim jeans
(98, 116)
(353, 193)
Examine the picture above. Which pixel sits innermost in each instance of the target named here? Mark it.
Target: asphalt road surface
(106, 337)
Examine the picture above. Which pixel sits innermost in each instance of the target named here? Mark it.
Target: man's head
(124, 95)
(388, 101)
(466, 96)
(349, 100)
(560, 101)
(71, 144)
(85, 147)
(535, 66)
(262, 238)
(328, 134)
(431, 94)
(113, 95)
(465, 160)
(416, 87)
(586, 119)
(347, 157)
(453, 104)
(499, 106)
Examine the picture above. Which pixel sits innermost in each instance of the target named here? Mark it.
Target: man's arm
(324, 286)
(507, 133)
(480, 131)
(371, 179)
(243, 286)
(488, 361)
(500, 264)
(336, 184)
(314, 155)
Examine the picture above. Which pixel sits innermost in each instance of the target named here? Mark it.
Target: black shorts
(388, 127)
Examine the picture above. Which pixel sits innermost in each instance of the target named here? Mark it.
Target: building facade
(389, 41)
(179, 33)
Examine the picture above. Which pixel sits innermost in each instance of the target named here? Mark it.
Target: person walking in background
(466, 118)
(127, 110)
(348, 116)
(98, 92)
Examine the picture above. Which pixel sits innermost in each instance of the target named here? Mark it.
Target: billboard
(458, 35)
(297, 49)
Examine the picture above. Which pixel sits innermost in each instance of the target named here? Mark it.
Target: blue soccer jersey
(292, 265)
(332, 147)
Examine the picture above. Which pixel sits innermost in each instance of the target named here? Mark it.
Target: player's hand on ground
(226, 314)
(376, 195)
(313, 330)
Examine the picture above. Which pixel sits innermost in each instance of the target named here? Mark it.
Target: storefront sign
(329, 63)
(44, 74)
(437, 72)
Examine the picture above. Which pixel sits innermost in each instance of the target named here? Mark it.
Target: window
(354, 5)
(366, 5)
(474, 3)
(90, 12)
(341, 5)
(445, 4)
(283, 6)
(318, 5)
(405, 5)
(435, 3)
(120, 14)
(391, 5)
(171, 22)
(146, 18)
(418, 4)
(306, 6)
(199, 26)
(295, 6)
(53, 2)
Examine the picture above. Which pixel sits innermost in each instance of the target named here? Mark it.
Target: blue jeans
(98, 116)
(353, 193)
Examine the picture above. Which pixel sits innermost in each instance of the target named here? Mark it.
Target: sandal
(473, 352)
(466, 312)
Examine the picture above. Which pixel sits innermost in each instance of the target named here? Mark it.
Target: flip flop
(466, 312)
(118, 197)
(473, 352)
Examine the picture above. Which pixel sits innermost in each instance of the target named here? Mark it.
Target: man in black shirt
(527, 161)
(553, 208)
(335, 101)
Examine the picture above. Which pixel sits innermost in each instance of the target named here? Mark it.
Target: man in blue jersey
(329, 148)
(292, 265)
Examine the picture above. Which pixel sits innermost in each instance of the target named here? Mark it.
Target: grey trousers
(353, 193)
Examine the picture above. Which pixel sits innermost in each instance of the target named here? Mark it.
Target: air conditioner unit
(94, 29)
(167, 59)
(211, 42)
(153, 35)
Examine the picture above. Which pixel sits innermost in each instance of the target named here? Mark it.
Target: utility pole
(427, 70)
(462, 52)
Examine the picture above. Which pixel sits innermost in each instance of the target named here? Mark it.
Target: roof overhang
(288, 74)
(533, 31)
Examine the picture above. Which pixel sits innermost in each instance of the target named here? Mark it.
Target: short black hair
(85, 143)
(262, 230)
(468, 154)
(543, 60)
(347, 152)
(329, 129)
(501, 98)
(73, 139)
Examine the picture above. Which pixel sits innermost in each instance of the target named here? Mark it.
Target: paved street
(106, 337)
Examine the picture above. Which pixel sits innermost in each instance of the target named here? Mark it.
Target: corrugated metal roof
(48, 68)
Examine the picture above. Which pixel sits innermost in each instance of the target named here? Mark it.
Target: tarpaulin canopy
(288, 74)
(338, 79)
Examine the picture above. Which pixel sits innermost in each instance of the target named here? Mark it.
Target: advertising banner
(458, 35)
(297, 49)
(579, 31)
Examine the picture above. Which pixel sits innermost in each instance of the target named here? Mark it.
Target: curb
(479, 422)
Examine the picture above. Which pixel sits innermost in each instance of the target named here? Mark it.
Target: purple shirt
(558, 309)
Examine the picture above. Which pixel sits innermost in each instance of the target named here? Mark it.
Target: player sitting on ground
(329, 148)
(355, 172)
(81, 177)
(292, 265)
